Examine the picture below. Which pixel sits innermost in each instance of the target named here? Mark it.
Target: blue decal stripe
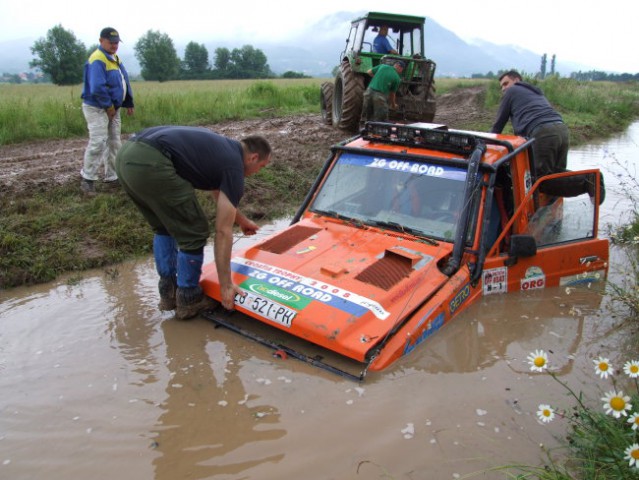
(305, 291)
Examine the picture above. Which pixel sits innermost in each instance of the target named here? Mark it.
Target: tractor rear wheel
(348, 95)
(326, 102)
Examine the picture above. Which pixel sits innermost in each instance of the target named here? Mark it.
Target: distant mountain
(317, 52)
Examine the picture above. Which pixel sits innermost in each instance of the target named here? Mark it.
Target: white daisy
(616, 404)
(631, 368)
(632, 455)
(545, 413)
(538, 361)
(634, 420)
(603, 367)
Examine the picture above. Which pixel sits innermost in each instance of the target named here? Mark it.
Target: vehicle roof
(497, 145)
(380, 18)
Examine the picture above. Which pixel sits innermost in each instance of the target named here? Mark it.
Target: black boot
(190, 302)
(167, 287)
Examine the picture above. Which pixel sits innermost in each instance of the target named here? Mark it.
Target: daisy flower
(634, 420)
(616, 404)
(631, 368)
(632, 455)
(545, 413)
(603, 367)
(538, 361)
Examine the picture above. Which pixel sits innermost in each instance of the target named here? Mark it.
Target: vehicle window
(411, 42)
(404, 195)
(564, 219)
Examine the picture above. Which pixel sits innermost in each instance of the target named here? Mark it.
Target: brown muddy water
(96, 383)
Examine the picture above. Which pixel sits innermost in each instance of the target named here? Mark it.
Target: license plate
(266, 308)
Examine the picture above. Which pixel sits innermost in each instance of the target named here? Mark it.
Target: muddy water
(96, 383)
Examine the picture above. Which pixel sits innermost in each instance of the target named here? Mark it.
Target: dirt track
(301, 139)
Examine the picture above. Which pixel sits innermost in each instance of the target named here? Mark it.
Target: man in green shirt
(381, 91)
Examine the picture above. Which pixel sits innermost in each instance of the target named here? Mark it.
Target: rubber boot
(167, 287)
(190, 299)
(165, 254)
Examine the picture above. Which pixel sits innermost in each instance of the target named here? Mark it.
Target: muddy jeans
(375, 106)
(104, 143)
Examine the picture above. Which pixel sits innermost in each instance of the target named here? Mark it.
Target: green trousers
(166, 200)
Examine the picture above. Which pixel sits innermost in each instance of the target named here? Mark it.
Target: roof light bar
(425, 135)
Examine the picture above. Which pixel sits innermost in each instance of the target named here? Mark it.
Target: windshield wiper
(330, 213)
(394, 226)
(404, 229)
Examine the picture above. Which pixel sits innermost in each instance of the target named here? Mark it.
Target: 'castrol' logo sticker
(534, 279)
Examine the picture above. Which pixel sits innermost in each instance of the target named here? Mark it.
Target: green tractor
(341, 100)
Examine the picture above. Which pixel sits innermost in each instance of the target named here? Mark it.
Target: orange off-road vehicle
(405, 227)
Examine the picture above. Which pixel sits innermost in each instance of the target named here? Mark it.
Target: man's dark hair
(514, 74)
(257, 144)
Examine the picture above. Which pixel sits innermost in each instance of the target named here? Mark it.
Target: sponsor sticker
(581, 278)
(534, 279)
(460, 298)
(288, 282)
(431, 327)
(495, 280)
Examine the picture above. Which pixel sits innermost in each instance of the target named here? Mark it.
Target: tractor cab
(405, 34)
(341, 100)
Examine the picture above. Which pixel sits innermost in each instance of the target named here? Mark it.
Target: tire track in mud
(298, 141)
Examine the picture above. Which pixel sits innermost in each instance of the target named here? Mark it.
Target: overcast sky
(601, 34)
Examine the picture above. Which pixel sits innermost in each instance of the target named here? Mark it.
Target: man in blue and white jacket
(106, 90)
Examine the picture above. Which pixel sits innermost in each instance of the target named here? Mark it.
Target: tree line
(61, 57)
(593, 75)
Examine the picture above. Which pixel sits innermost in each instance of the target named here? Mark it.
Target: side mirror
(521, 246)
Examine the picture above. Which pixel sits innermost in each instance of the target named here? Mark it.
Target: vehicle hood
(350, 286)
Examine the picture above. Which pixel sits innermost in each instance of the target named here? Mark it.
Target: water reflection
(206, 414)
(507, 327)
(618, 159)
(207, 418)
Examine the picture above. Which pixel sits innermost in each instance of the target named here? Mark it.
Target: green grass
(590, 109)
(45, 235)
(596, 443)
(38, 112)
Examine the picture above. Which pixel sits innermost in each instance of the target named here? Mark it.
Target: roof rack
(425, 135)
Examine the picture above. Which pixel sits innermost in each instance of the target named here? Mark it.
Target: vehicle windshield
(406, 41)
(415, 197)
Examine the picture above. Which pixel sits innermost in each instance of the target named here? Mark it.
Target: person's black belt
(152, 143)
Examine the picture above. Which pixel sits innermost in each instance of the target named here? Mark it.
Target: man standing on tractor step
(106, 90)
(381, 91)
(160, 168)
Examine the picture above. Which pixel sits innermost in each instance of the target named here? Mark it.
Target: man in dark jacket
(106, 90)
(532, 116)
